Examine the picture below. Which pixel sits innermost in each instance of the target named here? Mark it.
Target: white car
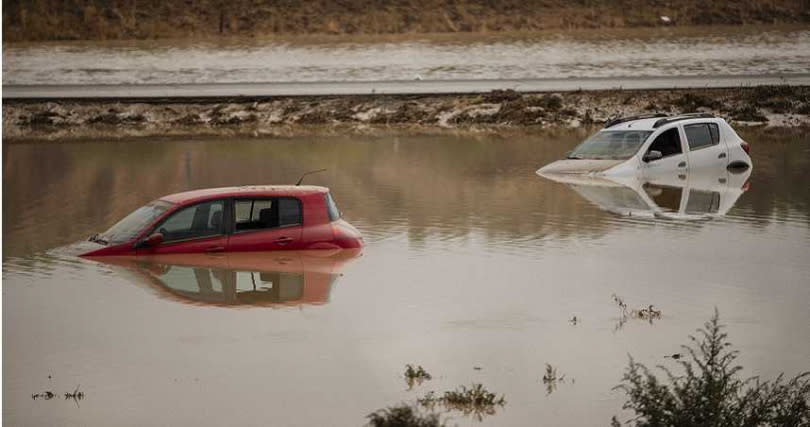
(704, 194)
(649, 145)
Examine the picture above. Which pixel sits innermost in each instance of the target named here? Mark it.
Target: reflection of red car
(240, 279)
(233, 219)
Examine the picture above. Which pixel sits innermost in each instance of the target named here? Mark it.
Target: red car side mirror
(150, 242)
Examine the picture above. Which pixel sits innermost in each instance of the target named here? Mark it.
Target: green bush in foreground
(403, 416)
(710, 392)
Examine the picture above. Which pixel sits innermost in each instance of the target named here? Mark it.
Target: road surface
(155, 92)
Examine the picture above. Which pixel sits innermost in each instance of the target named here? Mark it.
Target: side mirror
(652, 155)
(150, 242)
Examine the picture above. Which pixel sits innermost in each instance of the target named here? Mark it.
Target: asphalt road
(148, 92)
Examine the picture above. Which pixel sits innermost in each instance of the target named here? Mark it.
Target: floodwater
(472, 260)
(726, 51)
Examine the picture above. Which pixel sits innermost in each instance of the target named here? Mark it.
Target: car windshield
(133, 223)
(611, 144)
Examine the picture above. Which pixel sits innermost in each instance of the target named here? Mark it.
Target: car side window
(701, 135)
(260, 214)
(668, 143)
(289, 212)
(193, 222)
(715, 131)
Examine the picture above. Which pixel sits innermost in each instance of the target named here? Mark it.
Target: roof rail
(679, 117)
(613, 122)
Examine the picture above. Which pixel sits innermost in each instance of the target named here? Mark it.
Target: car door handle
(283, 240)
(215, 249)
(721, 156)
(682, 164)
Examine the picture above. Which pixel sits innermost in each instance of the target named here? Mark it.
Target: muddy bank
(39, 20)
(770, 106)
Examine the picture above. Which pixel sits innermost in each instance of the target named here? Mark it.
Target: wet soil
(772, 106)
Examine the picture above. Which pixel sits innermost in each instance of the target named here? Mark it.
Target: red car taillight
(745, 146)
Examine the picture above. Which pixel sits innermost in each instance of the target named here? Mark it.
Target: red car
(233, 219)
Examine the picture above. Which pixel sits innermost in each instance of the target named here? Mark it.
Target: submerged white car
(648, 145)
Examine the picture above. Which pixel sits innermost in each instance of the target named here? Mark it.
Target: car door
(265, 224)
(706, 150)
(192, 229)
(673, 161)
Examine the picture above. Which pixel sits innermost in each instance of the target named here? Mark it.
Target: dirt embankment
(776, 106)
(37, 20)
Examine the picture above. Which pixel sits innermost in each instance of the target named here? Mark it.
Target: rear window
(702, 135)
(331, 208)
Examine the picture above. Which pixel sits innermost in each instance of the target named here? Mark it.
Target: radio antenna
(308, 173)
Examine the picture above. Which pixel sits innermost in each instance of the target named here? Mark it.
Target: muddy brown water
(690, 51)
(472, 260)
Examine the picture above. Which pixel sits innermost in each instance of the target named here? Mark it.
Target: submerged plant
(403, 416)
(476, 395)
(550, 379)
(476, 401)
(415, 375)
(649, 313)
(710, 392)
(550, 375)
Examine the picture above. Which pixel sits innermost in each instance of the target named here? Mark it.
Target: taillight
(745, 146)
(746, 186)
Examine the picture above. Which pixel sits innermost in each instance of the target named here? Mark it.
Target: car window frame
(652, 138)
(169, 215)
(231, 227)
(711, 137)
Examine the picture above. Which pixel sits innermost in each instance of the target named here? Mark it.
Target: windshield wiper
(96, 239)
(574, 156)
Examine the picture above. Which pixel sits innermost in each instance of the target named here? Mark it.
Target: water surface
(472, 260)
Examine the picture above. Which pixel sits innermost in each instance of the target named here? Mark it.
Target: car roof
(244, 191)
(641, 124)
(648, 123)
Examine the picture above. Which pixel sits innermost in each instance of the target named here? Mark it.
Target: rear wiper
(96, 239)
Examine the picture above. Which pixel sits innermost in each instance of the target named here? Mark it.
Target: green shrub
(403, 416)
(710, 393)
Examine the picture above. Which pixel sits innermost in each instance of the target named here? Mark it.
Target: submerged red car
(231, 219)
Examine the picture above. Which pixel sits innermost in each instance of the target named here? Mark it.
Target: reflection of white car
(652, 144)
(703, 194)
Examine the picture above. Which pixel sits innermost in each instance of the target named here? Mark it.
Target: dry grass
(147, 19)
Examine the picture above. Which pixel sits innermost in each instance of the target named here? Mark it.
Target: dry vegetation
(145, 19)
(777, 106)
